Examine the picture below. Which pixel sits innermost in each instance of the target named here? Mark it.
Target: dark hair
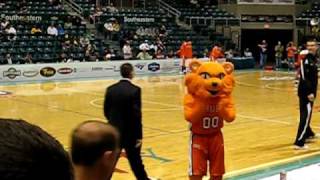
(126, 70)
(87, 149)
(28, 152)
(310, 39)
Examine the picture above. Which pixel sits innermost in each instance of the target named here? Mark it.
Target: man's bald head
(90, 140)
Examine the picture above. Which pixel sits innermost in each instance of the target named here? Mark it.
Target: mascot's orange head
(210, 79)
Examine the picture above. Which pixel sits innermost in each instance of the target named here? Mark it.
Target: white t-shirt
(52, 31)
(127, 52)
(12, 30)
(144, 46)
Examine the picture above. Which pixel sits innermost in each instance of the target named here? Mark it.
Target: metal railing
(74, 6)
(165, 6)
(212, 20)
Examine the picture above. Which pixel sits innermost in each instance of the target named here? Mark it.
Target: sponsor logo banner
(154, 67)
(12, 73)
(138, 20)
(30, 73)
(48, 72)
(140, 66)
(65, 70)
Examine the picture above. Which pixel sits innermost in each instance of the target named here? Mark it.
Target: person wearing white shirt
(52, 30)
(8, 59)
(11, 31)
(247, 53)
(144, 46)
(127, 51)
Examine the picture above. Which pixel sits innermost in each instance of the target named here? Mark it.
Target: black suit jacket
(122, 107)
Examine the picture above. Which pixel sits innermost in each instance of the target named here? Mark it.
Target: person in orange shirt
(185, 53)
(291, 52)
(216, 52)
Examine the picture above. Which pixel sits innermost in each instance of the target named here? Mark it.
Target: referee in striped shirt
(307, 91)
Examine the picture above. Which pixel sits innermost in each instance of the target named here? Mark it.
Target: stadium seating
(314, 12)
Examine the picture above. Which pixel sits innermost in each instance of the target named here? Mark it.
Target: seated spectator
(109, 55)
(12, 33)
(247, 53)
(4, 23)
(60, 30)
(229, 54)
(8, 59)
(144, 55)
(52, 30)
(127, 51)
(28, 152)
(36, 30)
(171, 54)
(28, 59)
(111, 8)
(84, 41)
(144, 46)
(159, 54)
(160, 44)
(94, 150)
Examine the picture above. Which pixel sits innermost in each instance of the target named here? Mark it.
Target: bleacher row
(313, 12)
(43, 47)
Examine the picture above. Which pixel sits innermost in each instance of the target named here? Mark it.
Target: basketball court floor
(261, 137)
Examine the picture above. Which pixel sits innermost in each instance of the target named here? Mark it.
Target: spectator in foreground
(28, 152)
(94, 150)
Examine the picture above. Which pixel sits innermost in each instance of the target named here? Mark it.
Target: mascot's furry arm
(209, 83)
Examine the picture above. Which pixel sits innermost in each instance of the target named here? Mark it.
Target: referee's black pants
(304, 130)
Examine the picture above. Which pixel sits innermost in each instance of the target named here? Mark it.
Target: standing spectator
(52, 30)
(28, 152)
(122, 107)
(263, 53)
(291, 53)
(127, 51)
(307, 92)
(94, 150)
(279, 53)
(247, 53)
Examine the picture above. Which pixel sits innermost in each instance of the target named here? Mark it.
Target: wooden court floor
(261, 136)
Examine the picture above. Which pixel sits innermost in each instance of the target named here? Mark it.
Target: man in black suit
(122, 107)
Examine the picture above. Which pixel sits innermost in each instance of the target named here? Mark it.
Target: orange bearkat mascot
(207, 105)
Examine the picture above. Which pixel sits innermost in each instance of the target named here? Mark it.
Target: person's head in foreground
(29, 153)
(94, 150)
(127, 71)
(312, 45)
